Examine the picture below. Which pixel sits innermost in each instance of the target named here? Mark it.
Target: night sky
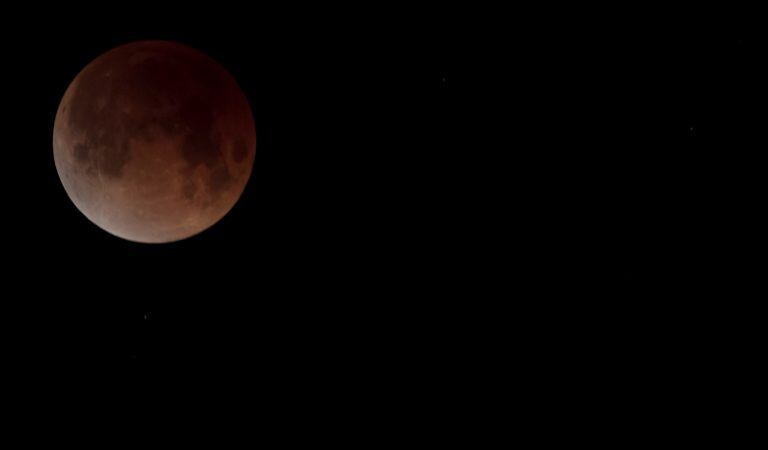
(593, 202)
(688, 183)
(668, 217)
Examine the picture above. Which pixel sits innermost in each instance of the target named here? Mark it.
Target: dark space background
(664, 222)
(587, 210)
(686, 189)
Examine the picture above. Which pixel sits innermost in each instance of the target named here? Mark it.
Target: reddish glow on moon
(154, 141)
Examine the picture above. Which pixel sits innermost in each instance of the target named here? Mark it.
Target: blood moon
(154, 141)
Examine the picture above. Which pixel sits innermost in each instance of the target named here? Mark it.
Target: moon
(154, 141)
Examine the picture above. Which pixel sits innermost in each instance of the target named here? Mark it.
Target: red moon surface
(154, 141)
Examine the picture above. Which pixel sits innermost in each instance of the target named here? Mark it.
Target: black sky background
(672, 233)
(618, 209)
